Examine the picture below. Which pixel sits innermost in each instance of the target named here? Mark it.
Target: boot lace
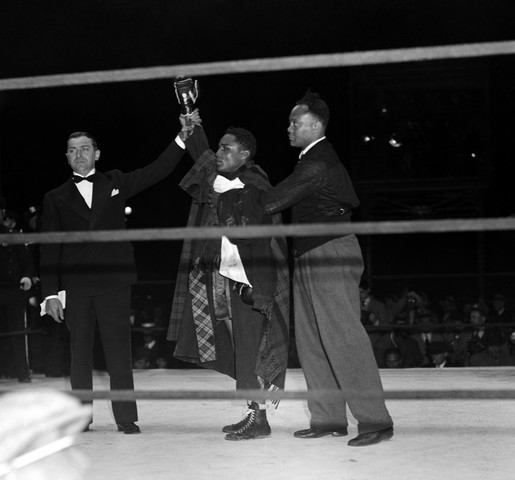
(251, 415)
(244, 418)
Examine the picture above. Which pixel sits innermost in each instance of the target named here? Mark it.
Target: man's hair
(316, 106)
(87, 135)
(244, 139)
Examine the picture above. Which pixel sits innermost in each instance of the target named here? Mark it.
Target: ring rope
(348, 59)
(255, 231)
(429, 394)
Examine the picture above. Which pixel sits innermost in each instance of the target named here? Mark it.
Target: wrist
(185, 133)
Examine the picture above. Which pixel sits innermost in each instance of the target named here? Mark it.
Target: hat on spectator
(435, 348)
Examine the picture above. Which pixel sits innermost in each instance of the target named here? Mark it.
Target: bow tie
(78, 179)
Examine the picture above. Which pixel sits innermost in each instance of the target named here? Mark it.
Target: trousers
(333, 347)
(111, 312)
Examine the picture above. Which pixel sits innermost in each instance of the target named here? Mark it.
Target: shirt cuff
(179, 142)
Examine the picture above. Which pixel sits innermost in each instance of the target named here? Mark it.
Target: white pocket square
(115, 192)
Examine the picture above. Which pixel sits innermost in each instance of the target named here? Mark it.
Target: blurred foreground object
(36, 429)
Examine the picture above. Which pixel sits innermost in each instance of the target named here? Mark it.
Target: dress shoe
(24, 379)
(128, 428)
(370, 438)
(315, 432)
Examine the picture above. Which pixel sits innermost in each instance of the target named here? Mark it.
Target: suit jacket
(319, 190)
(93, 268)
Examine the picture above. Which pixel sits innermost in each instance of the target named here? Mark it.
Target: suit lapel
(72, 197)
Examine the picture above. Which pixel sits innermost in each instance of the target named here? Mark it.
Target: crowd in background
(409, 330)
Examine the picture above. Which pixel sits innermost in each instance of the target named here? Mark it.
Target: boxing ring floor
(182, 439)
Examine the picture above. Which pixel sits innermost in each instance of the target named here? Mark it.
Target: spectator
(16, 272)
(495, 353)
(471, 339)
(399, 338)
(11, 220)
(449, 313)
(426, 334)
(36, 343)
(511, 343)
(373, 311)
(439, 352)
(451, 319)
(154, 352)
(500, 313)
(393, 358)
(410, 305)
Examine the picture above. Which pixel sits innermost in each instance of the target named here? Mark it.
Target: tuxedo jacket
(94, 268)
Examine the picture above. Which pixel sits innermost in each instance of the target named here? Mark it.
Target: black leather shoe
(320, 432)
(128, 428)
(371, 438)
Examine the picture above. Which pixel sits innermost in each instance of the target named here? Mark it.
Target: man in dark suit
(96, 276)
(334, 349)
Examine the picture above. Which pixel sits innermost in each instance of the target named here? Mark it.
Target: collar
(85, 176)
(311, 145)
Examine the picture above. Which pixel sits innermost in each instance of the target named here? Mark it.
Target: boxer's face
(230, 155)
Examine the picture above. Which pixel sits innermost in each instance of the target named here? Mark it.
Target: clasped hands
(188, 123)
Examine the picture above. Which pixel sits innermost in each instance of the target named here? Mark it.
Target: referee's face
(81, 155)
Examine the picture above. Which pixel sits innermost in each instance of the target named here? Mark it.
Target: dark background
(455, 118)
